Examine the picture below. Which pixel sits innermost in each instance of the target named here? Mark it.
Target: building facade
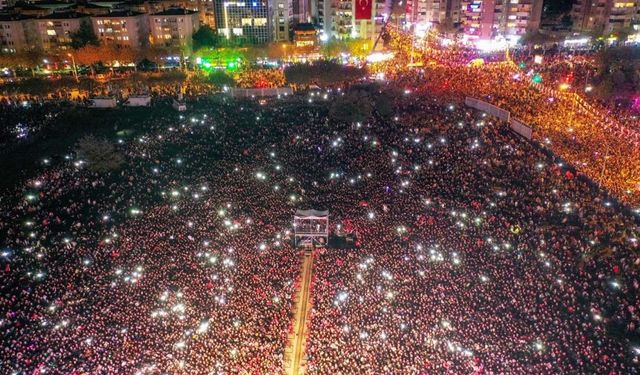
(336, 19)
(283, 20)
(604, 16)
(17, 34)
(250, 20)
(174, 28)
(54, 30)
(489, 19)
(122, 28)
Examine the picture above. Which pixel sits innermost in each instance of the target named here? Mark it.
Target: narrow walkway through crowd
(295, 351)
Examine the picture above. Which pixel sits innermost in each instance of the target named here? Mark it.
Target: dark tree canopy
(221, 78)
(554, 8)
(100, 154)
(84, 36)
(205, 37)
(618, 72)
(322, 72)
(363, 101)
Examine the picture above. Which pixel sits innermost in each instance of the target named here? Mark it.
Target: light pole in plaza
(75, 69)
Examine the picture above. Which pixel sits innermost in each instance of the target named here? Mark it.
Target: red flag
(363, 9)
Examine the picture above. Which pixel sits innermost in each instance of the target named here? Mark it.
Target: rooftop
(304, 27)
(175, 12)
(14, 17)
(63, 16)
(119, 13)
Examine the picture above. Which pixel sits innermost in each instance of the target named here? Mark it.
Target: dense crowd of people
(476, 252)
(179, 263)
(600, 142)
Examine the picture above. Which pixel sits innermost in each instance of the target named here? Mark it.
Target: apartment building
(337, 19)
(250, 20)
(174, 27)
(54, 30)
(283, 20)
(123, 28)
(433, 12)
(604, 16)
(17, 33)
(488, 19)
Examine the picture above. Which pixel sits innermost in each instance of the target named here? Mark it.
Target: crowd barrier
(488, 108)
(248, 93)
(516, 125)
(521, 128)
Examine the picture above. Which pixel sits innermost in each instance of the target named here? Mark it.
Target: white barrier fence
(103, 102)
(521, 128)
(488, 108)
(516, 125)
(138, 101)
(248, 93)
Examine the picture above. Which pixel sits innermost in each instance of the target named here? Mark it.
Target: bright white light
(376, 57)
(204, 326)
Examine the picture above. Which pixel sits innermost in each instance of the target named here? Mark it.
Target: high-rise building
(123, 28)
(426, 11)
(247, 20)
(174, 27)
(283, 20)
(337, 18)
(304, 10)
(488, 19)
(604, 15)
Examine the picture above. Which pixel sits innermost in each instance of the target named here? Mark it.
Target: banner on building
(363, 9)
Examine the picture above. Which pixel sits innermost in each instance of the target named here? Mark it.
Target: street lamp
(75, 69)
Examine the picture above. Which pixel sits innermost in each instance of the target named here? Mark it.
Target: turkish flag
(363, 9)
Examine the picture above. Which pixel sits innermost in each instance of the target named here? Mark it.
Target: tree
(322, 72)
(552, 8)
(220, 78)
(566, 21)
(532, 38)
(333, 48)
(354, 106)
(84, 36)
(618, 72)
(100, 154)
(205, 37)
(89, 55)
(359, 48)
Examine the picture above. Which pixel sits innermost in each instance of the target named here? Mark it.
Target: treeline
(323, 72)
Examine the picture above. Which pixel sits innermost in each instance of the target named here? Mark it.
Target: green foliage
(225, 58)
(205, 37)
(535, 37)
(100, 155)
(333, 48)
(618, 72)
(84, 36)
(557, 7)
(322, 72)
(220, 78)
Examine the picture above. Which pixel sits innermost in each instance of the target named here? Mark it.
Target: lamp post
(75, 69)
